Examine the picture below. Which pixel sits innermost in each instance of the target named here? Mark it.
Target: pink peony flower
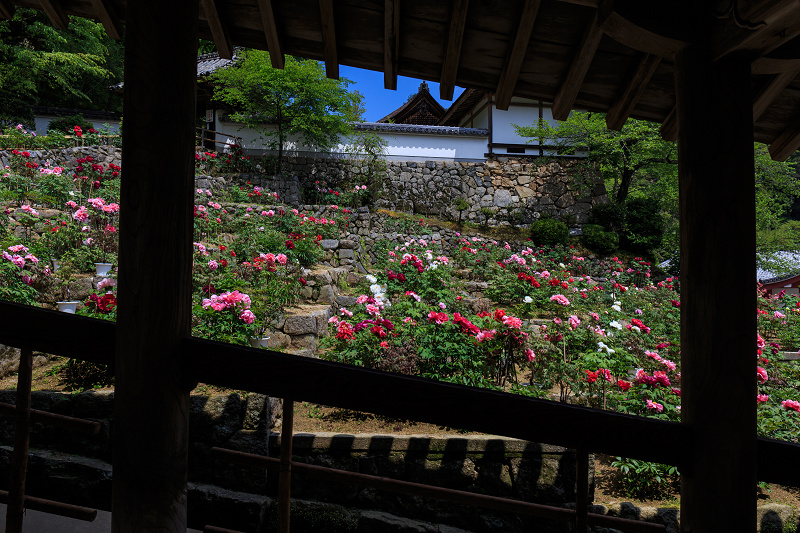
(762, 375)
(512, 322)
(560, 299)
(213, 265)
(82, 214)
(281, 258)
(346, 312)
(247, 316)
(530, 355)
(655, 406)
(762, 398)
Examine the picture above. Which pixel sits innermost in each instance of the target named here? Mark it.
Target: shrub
(643, 480)
(610, 216)
(644, 227)
(602, 242)
(549, 232)
(67, 124)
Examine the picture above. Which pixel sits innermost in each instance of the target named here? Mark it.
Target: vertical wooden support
(718, 279)
(285, 474)
(151, 404)
(581, 490)
(19, 460)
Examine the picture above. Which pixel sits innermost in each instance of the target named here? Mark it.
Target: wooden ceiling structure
(614, 56)
(717, 74)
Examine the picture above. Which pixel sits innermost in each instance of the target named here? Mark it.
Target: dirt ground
(310, 418)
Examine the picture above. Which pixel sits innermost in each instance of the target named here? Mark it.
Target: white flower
(372, 279)
(616, 308)
(528, 300)
(604, 346)
(616, 325)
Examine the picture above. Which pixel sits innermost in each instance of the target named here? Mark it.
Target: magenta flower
(281, 258)
(762, 398)
(794, 405)
(655, 406)
(762, 375)
(82, 214)
(213, 265)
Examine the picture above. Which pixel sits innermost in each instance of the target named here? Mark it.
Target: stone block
(300, 325)
(329, 244)
(345, 253)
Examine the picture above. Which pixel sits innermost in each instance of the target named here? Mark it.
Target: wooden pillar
(151, 405)
(718, 281)
(15, 510)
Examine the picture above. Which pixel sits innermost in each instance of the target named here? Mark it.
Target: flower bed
(556, 324)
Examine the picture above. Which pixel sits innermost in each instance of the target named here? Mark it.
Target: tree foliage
(637, 163)
(296, 103)
(40, 65)
(636, 152)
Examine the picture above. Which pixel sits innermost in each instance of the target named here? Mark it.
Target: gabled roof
(421, 109)
(463, 105)
(786, 270)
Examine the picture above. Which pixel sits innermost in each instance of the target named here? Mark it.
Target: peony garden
(558, 323)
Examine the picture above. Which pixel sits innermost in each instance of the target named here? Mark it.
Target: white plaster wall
(400, 146)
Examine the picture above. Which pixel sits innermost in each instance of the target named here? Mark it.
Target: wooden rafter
(54, 12)
(452, 53)
(787, 142)
(775, 23)
(509, 75)
(621, 109)
(329, 39)
(6, 9)
(271, 33)
(108, 16)
(391, 43)
(669, 128)
(771, 91)
(218, 30)
(571, 86)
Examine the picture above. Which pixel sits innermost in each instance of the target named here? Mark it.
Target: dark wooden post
(151, 405)
(19, 460)
(718, 319)
(581, 490)
(285, 473)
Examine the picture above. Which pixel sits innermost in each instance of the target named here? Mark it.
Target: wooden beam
(771, 24)
(53, 332)
(52, 8)
(718, 326)
(622, 108)
(787, 143)
(513, 64)
(271, 33)
(662, 39)
(151, 400)
(771, 91)
(452, 52)
(571, 86)
(219, 32)
(669, 128)
(351, 387)
(329, 39)
(108, 17)
(391, 43)
(6, 9)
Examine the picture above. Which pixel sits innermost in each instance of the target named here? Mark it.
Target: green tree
(40, 65)
(636, 152)
(297, 102)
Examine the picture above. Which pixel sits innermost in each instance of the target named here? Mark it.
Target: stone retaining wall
(67, 157)
(500, 192)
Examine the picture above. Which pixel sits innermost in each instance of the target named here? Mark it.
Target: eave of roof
(415, 128)
(463, 105)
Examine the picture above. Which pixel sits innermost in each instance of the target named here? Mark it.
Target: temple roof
(421, 109)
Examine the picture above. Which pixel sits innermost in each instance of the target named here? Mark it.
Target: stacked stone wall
(67, 157)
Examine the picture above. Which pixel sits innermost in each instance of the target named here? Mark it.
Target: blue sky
(378, 101)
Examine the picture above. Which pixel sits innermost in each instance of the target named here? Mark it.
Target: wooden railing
(306, 379)
(203, 137)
